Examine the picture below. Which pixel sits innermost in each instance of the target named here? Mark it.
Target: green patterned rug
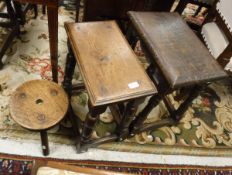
(206, 128)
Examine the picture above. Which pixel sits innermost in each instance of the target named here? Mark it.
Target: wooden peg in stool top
(38, 104)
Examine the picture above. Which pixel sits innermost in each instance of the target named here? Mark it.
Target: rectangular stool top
(178, 52)
(109, 67)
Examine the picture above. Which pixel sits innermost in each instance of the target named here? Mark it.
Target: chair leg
(224, 57)
(14, 25)
(44, 142)
(197, 11)
(77, 9)
(19, 13)
(1, 64)
(44, 9)
(181, 6)
(131, 36)
(35, 11)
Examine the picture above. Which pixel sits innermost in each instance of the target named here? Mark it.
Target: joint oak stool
(178, 61)
(111, 74)
(39, 105)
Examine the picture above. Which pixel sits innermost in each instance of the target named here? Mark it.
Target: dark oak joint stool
(39, 105)
(111, 74)
(178, 61)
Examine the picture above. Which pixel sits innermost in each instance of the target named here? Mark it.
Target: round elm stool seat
(39, 105)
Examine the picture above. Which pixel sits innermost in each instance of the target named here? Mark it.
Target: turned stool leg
(194, 92)
(89, 124)
(128, 117)
(44, 142)
(69, 70)
(135, 125)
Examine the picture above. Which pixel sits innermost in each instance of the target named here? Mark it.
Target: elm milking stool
(111, 74)
(179, 61)
(39, 105)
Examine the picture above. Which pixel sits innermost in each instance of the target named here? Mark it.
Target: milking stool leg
(44, 142)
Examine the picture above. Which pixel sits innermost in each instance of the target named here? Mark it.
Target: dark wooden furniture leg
(76, 124)
(13, 24)
(52, 8)
(44, 9)
(69, 70)
(67, 85)
(128, 116)
(197, 11)
(21, 10)
(141, 117)
(177, 114)
(35, 11)
(89, 124)
(53, 39)
(181, 6)
(44, 142)
(77, 9)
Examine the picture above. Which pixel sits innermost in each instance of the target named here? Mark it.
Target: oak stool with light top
(39, 105)
(111, 74)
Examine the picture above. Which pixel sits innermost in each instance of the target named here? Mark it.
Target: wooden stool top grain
(38, 104)
(109, 67)
(181, 56)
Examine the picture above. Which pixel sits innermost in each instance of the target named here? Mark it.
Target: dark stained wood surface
(109, 67)
(50, 3)
(181, 56)
(38, 104)
(117, 9)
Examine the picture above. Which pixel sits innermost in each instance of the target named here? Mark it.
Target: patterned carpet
(19, 165)
(206, 128)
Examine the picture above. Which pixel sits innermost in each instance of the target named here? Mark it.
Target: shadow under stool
(178, 62)
(39, 105)
(111, 74)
